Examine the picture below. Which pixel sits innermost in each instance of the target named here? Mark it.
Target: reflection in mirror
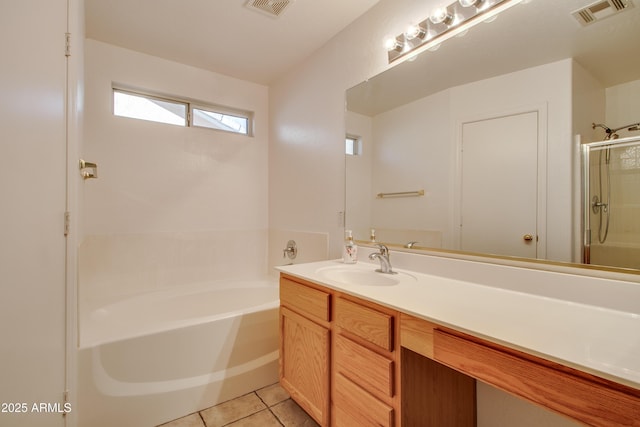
(489, 126)
(611, 202)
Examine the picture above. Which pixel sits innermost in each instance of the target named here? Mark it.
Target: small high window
(217, 120)
(143, 107)
(180, 112)
(353, 145)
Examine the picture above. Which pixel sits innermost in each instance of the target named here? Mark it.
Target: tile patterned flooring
(270, 406)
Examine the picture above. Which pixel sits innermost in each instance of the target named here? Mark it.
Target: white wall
(623, 106)
(165, 191)
(306, 144)
(414, 139)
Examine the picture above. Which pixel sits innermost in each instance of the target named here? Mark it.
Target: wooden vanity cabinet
(349, 362)
(338, 356)
(305, 346)
(365, 364)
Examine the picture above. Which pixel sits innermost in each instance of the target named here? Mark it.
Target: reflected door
(499, 167)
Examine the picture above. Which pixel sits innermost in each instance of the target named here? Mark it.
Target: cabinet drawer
(364, 367)
(356, 407)
(310, 302)
(367, 323)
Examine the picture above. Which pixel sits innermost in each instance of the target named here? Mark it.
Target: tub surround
(567, 320)
(113, 266)
(312, 246)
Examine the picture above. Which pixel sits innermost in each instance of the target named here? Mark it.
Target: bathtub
(153, 357)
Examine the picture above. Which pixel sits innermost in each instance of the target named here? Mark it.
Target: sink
(359, 274)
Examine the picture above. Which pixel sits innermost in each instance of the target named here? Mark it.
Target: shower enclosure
(611, 201)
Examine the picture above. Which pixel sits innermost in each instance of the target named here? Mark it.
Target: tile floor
(268, 407)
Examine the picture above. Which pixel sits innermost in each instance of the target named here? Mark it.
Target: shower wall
(622, 245)
(167, 194)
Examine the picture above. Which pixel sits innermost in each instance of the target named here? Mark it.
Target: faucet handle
(291, 250)
(384, 250)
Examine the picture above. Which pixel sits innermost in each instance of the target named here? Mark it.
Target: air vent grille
(618, 4)
(600, 10)
(273, 8)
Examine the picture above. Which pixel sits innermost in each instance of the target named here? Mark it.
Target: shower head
(611, 133)
(600, 125)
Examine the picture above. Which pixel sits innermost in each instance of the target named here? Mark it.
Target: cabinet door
(304, 363)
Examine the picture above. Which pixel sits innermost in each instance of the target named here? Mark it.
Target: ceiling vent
(600, 10)
(272, 8)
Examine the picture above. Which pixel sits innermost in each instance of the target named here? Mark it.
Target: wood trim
(585, 398)
(417, 335)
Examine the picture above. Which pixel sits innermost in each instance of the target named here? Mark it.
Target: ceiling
(224, 36)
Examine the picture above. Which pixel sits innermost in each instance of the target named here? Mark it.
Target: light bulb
(440, 15)
(414, 31)
(469, 3)
(393, 44)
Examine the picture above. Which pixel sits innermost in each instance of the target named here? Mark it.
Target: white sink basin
(361, 274)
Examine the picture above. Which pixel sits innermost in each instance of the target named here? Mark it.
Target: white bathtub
(151, 358)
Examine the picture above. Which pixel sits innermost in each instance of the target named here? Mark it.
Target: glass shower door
(611, 202)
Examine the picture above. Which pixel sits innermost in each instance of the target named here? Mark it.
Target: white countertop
(590, 337)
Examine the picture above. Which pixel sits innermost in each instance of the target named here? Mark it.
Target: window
(353, 145)
(218, 120)
(136, 106)
(180, 112)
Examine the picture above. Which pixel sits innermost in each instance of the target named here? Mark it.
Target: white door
(499, 194)
(32, 195)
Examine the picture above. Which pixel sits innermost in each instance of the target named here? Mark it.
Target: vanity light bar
(442, 24)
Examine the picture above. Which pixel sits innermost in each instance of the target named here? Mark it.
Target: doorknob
(527, 237)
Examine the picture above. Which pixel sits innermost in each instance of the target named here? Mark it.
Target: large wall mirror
(476, 146)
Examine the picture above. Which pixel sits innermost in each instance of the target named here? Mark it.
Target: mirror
(488, 127)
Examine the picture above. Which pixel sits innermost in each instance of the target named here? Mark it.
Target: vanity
(364, 348)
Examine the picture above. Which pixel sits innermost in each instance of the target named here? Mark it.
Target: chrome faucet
(383, 256)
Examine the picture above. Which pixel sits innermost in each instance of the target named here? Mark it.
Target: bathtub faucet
(383, 257)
